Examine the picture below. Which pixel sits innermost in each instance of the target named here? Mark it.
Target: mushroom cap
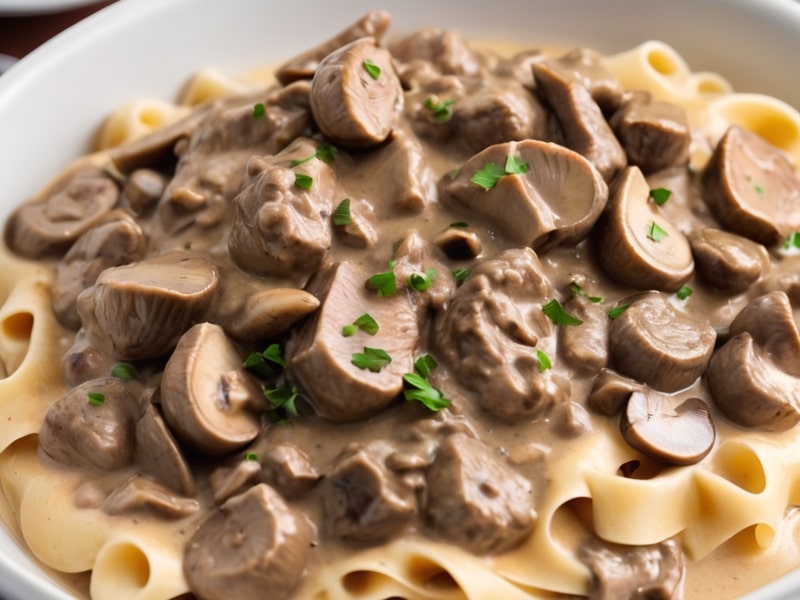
(751, 188)
(158, 455)
(727, 261)
(637, 244)
(196, 404)
(270, 312)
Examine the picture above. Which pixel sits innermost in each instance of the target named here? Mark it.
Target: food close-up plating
(413, 316)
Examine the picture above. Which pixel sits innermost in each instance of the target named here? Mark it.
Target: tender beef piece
(140, 310)
(212, 163)
(49, 226)
(361, 231)
(91, 432)
(364, 501)
(586, 66)
(82, 361)
(556, 200)
(356, 97)
(654, 344)
(448, 51)
(635, 241)
(489, 333)
(585, 348)
(143, 189)
(115, 242)
(373, 24)
(476, 501)
(320, 359)
(572, 420)
(654, 572)
(585, 128)
(518, 66)
(288, 469)
(416, 256)
(140, 494)
(755, 378)
(158, 455)
(654, 134)
(279, 228)
(227, 482)
(252, 543)
(751, 188)
(728, 261)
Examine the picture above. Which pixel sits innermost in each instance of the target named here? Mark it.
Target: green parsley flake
(544, 361)
(617, 311)
(515, 166)
(371, 68)
(793, 241)
(303, 181)
(420, 282)
(442, 111)
(576, 290)
(655, 232)
(373, 359)
(367, 324)
(261, 363)
(283, 398)
(425, 364)
(660, 195)
(684, 292)
(422, 391)
(461, 274)
(325, 152)
(488, 176)
(384, 284)
(459, 224)
(558, 315)
(259, 110)
(758, 188)
(349, 330)
(124, 371)
(96, 398)
(342, 216)
(252, 456)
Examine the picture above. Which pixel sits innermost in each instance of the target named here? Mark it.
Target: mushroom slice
(637, 244)
(140, 310)
(656, 345)
(200, 405)
(555, 198)
(726, 260)
(751, 188)
(139, 493)
(585, 348)
(252, 545)
(270, 312)
(356, 97)
(610, 391)
(158, 455)
(373, 24)
(668, 430)
(288, 469)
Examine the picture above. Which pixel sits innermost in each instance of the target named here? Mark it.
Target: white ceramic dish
(39, 7)
(52, 101)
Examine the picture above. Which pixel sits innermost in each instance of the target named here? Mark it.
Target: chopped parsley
(252, 456)
(575, 289)
(558, 315)
(684, 292)
(303, 181)
(259, 110)
(371, 68)
(264, 363)
(420, 390)
(425, 364)
(459, 224)
(384, 284)
(96, 398)
(617, 311)
(490, 174)
(655, 232)
(442, 111)
(758, 188)
(793, 241)
(365, 323)
(349, 330)
(461, 275)
(124, 371)
(373, 359)
(515, 166)
(325, 152)
(421, 282)
(342, 216)
(283, 398)
(544, 361)
(660, 195)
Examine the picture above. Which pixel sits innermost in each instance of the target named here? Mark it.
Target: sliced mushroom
(637, 244)
(360, 232)
(140, 310)
(585, 348)
(206, 396)
(373, 24)
(784, 276)
(113, 243)
(635, 572)
(654, 134)
(654, 344)
(356, 97)
(610, 391)
(158, 455)
(253, 543)
(556, 200)
(92, 426)
(585, 128)
(227, 482)
(141, 494)
(751, 188)
(143, 189)
(475, 500)
(728, 261)
(268, 313)
(667, 429)
(48, 227)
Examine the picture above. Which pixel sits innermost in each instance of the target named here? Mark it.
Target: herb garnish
(341, 216)
(558, 315)
(759, 189)
(459, 224)
(373, 359)
(384, 284)
(422, 391)
(461, 275)
(515, 166)
(575, 289)
(96, 398)
(660, 195)
(684, 292)
(365, 323)
(124, 371)
(303, 181)
(655, 232)
(252, 456)
(371, 68)
(425, 364)
(544, 361)
(793, 241)
(442, 111)
(261, 363)
(617, 311)
(490, 174)
(421, 282)
(283, 398)
(259, 110)
(325, 152)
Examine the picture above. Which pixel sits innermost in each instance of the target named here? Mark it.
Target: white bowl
(18, 8)
(53, 100)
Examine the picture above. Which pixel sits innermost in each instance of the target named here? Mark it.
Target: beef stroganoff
(415, 320)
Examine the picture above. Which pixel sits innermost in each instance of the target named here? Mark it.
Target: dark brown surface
(20, 35)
